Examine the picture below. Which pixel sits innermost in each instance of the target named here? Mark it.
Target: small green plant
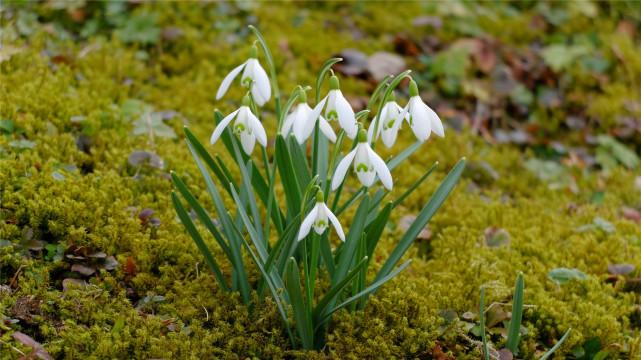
(514, 327)
(276, 231)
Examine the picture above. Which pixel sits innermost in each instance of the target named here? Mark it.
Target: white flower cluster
(302, 120)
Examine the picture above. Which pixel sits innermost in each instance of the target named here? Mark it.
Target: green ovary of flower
(239, 128)
(389, 124)
(362, 167)
(332, 115)
(246, 82)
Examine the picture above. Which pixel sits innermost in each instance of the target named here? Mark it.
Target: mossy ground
(72, 191)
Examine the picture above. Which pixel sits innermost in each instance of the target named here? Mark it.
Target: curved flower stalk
(367, 164)
(247, 127)
(318, 219)
(389, 122)
(422, 119)
(254, 78)
(337, 108)
(301, 122)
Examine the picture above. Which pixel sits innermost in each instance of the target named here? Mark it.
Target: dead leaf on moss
(620, 269)
(406, 221)
(70, 283)
(27, 340)
(631, 213)
(505, 354)
(82, 269)
(382, 63)
(496, 237)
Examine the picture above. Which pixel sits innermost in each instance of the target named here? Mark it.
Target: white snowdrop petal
(381, 169)
(221, 126)
(435, 122)
(257, 129)
(419, 121)
(261, 89)
(306, 225)
(334, 220)
(341, 169)
(346, 117)
(247, 141)
(224, 86)
(324, 126)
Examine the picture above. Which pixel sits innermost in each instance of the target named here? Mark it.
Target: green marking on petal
(362, 167)
(246, 82)
(332, 115)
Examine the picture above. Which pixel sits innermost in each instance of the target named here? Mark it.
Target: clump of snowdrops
(306, 223)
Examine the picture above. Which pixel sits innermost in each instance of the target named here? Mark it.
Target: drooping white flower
(318, 219)
(388, 124)
(301, 122)
(367, 165)
(338, 108)
(246, 126)
(254, 77)
(422, 119)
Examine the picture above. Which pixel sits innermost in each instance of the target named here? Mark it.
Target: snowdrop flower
(254, 77)
(389, 122)
(338, 108)
(247, 127)
(423, 120)
(301, 122)
(318, 218)
(367, 164)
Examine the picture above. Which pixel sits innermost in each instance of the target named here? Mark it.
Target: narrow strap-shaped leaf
(370, 289)
(224, 175)
(423, 218)
(281, 246)
(288, 177)
(276, 287)
(201, 212)
(195, 235)
(351, 200)
(375, 229)
(254, 234)
(351, 241)
(301, 313)
(414, 186)
(398, 159)
(556, 346)
(202, 152)
(333, 293)
(486, 353)
(234, 243)
(326, 255)
(299, 160)
(514, 329)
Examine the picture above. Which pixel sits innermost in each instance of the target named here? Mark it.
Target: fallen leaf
(406, 221)
(27, 340)
(564, 275)
(354, 62)
(496, 237)
(620, 269)
(70, 283)
(381, 64)
(505, 354)
(631, 213)
(82, 269)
